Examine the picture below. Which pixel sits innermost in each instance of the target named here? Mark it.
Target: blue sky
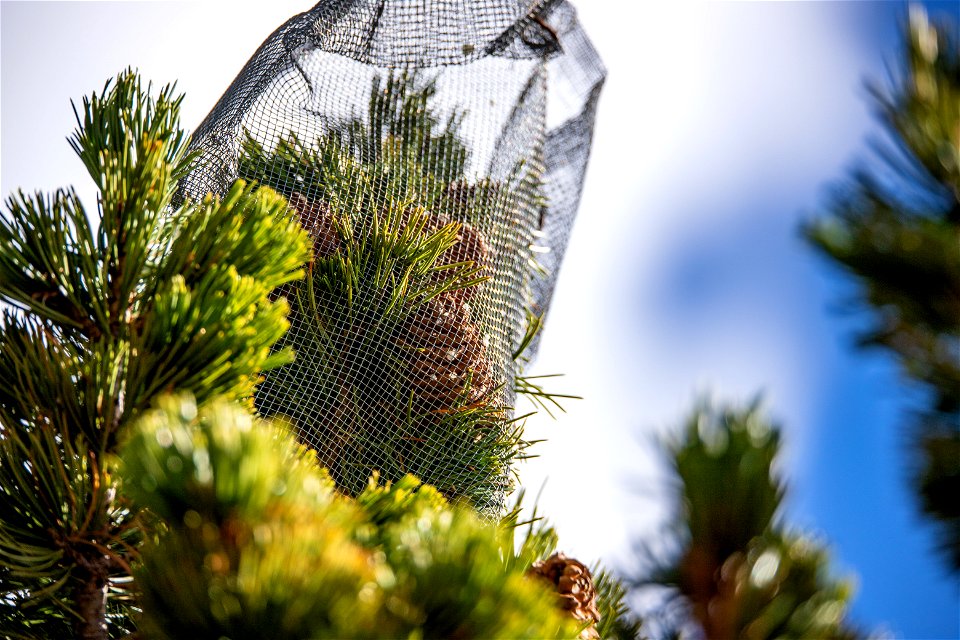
(719, 130)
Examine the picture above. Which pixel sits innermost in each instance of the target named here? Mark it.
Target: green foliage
(258, 539)
(255, 537)
(538, 541)
(405, 154)
(104, 317)
(400, 108)
(780, 587)
(450, 568)
(617, 622)
(896, 228)
(400, 124)
(740, 573)
(730, 492)
(391, 264)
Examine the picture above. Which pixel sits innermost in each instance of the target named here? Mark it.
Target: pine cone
(465, 198)
(445, 350)
(445, 354)
(317, 220)
(470, 247)
(574, 584)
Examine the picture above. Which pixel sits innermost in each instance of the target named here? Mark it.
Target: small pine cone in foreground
(573, 582)
(316, 219)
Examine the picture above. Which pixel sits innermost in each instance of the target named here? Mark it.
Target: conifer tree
(129, 448)
(105, 309)
(895, 226)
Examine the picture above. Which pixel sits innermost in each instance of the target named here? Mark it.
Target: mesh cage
(435, 152)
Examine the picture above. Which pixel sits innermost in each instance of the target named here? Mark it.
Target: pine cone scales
(316, 219)
(574, 584)
(470, 247)
(445, 353)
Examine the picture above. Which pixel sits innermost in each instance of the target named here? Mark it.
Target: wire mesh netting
(435, 153)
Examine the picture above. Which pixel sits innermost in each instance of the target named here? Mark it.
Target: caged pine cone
(445, 354)
(317, 220)
(444, 350)
(470, 247)
(465, 199)
(574, 584)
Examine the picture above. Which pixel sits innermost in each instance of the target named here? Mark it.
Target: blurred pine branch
(729, 567)
(895, 226)
(259, 542)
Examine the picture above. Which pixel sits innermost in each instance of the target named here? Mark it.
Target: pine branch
(532, 389)
(895, 226)
(616, 620)
(151, 300)
(258, 539)
(54, 274)
(730, 566)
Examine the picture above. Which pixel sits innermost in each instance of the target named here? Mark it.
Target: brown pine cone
(445, 354)
(465, 198)
(442, 321)
(317, 220)
(573, 582)
(469, 247)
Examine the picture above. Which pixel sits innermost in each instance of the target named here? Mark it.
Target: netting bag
(435, 152)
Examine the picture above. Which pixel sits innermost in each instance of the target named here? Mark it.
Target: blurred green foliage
(895, 226)
(257, 541)
(730, 567)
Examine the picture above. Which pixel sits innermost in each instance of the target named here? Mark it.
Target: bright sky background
(720, 127)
